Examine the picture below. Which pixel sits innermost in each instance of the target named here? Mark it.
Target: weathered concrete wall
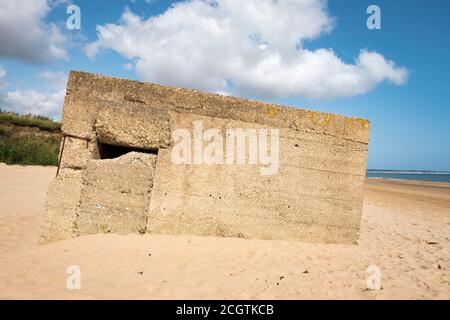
(316, 195)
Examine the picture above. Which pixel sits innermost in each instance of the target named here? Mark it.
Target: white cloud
(251, 47)
(54, 79)
(25, 35)
(2, 72)
(128, 66)
(35, 102)
(43, 102)
(3, 82)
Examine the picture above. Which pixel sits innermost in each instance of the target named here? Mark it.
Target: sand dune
(405, 232)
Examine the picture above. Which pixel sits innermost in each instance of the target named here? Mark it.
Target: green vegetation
(29, 120)
(28, 149)
(20, 145)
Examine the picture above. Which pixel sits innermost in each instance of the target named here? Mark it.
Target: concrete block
(63, 198)
(131, 124)
(116, 194)
(77, 152)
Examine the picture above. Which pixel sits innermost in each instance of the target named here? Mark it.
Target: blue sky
(407, 101)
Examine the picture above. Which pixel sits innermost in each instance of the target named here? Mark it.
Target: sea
(425, 175)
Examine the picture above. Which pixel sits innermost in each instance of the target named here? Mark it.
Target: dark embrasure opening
(108, 151)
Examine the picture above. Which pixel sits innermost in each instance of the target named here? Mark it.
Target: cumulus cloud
(252, 47)
(35, 102)
(24, 33)
(47, 102)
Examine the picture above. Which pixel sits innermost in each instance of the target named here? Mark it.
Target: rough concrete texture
(315, 196)
(63, 199)
(77, 152)
(116, 194)
(129, 124)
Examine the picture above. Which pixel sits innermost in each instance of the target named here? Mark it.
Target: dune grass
(18, 146)
(29, 120)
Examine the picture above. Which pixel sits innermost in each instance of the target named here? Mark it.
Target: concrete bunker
(116, 173)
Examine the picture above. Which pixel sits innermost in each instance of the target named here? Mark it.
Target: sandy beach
(405, 231)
